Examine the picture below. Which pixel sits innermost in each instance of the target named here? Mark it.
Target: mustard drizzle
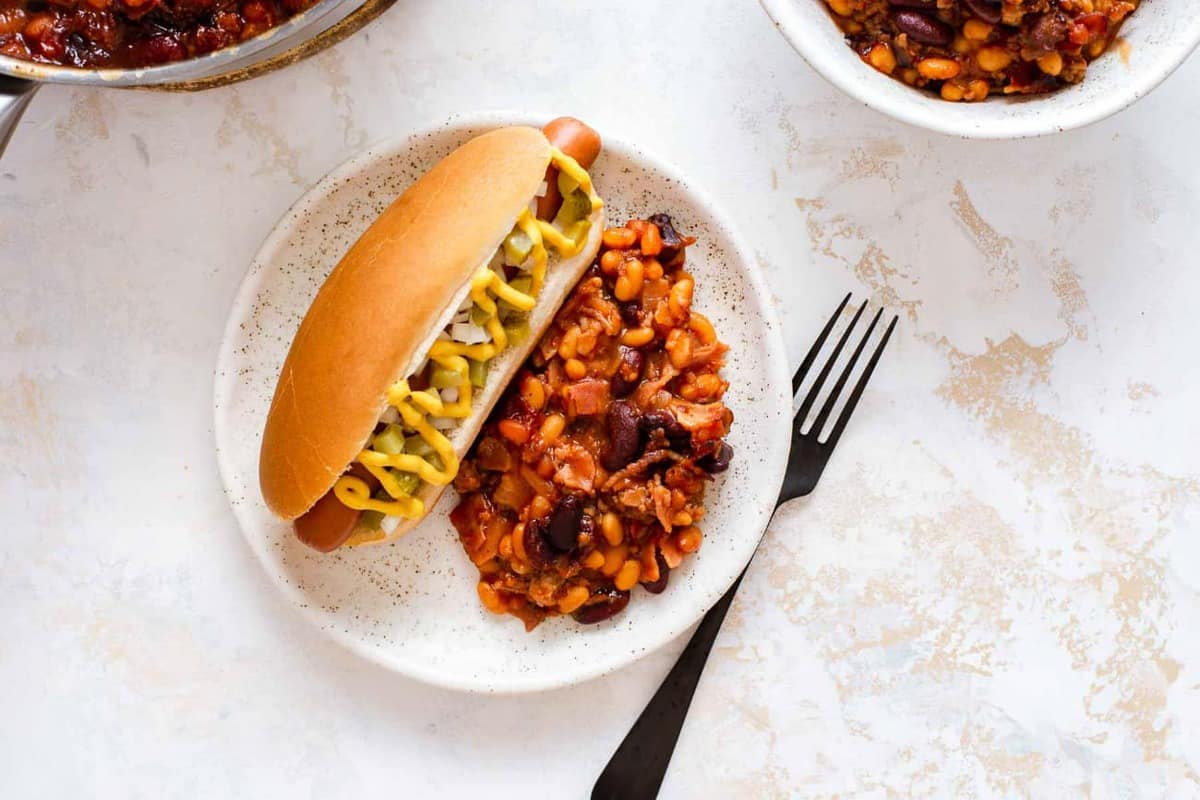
(415, 406)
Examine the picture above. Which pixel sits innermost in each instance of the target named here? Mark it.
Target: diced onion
(443, 423)
(461, 317)
(390, 415)
(469, 334)
(389, 524)
(545, 187)
(450, 395)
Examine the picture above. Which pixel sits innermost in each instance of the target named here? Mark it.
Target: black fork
(637, 768)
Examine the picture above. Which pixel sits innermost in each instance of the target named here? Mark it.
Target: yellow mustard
(416, 407)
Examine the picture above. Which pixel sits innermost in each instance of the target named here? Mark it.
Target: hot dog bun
(384, 303)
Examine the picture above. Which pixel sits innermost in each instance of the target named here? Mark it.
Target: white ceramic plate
(1154, 41)
(411, 605)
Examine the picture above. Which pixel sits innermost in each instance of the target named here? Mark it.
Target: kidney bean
(659, 418)
(562, 531)
(664, 575)
(536, 546)
(923, 28)
(629, 371)
(623, 439)
(613, 603)
(986, 10)
(1022, 73)
(718, 461)
(1049, 29)
(587, 532)
(631, 313)
(673, 244)
(670, 236)
(676, 434)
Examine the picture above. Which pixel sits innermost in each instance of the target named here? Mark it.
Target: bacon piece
(687, 478)
(658, 373)
(543, 589)
(492, 455)
(619, 480)
(512, 491)
(671, 554)
(576, 467)
(540, 485)
(468, 478)
(479, 527)
(703, 420)
(634, 502)
(587, 397)
(662, 504)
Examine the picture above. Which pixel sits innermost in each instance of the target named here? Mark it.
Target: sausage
(327, 525)
(577, 140)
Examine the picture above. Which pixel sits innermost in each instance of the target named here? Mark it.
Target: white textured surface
(993, 592)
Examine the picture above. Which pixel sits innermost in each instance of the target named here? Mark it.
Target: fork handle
(637, 769)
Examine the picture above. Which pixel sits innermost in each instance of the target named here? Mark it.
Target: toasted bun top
(380, 305)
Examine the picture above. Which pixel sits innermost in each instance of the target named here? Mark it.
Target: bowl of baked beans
(991, 68)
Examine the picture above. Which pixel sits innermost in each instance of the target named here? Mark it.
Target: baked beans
(589, 478)
(967, 50)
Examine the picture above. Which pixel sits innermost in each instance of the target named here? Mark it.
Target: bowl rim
(810, 43)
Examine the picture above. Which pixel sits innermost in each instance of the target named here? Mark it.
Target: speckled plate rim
(1024, 117)
(769, 476)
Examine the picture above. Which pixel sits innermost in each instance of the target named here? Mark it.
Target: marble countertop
(992, 593)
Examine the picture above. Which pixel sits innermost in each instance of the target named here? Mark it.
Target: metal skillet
(309, 32)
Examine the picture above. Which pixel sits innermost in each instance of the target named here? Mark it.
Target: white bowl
(1159, 35)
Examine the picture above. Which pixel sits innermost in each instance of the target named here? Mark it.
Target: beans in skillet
(133, 33)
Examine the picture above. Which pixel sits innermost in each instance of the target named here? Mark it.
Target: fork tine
(802, 370)
(835, 393)
(811, 397)
(852, 401)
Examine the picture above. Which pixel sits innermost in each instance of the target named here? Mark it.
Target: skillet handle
(15, 94)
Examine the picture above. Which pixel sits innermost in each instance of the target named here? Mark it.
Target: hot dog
(577, 140)
(330, 523)
(449, 289)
